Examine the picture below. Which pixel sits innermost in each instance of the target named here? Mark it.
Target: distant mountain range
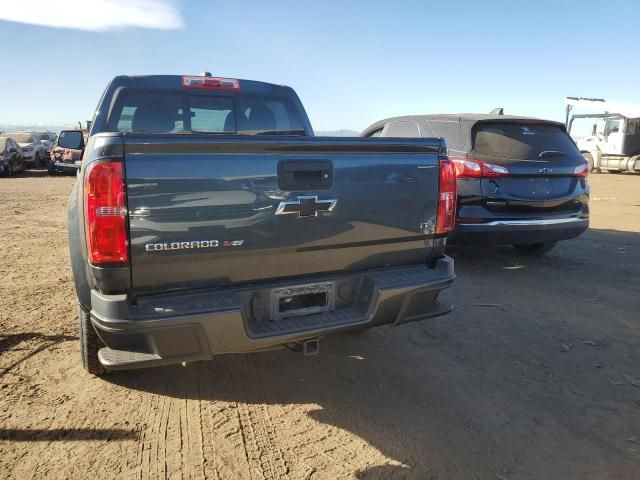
(12, 127)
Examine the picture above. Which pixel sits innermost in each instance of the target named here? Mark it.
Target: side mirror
(13, 150)
(594, 130)
(71, 139)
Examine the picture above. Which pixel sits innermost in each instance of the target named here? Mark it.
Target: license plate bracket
(540, 188)
(298, 301)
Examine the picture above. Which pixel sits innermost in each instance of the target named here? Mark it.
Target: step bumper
(168, 329)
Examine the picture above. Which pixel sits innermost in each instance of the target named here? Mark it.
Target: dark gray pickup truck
(208, 219)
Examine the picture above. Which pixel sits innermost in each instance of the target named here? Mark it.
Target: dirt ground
(535, 375)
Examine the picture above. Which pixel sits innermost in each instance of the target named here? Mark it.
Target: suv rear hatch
(545, 168)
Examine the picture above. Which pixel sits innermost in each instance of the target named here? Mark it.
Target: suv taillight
(106, 214)
(447, 196)
(467, 168)
(581, 170)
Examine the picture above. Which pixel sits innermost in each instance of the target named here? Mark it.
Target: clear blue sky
(351, 62)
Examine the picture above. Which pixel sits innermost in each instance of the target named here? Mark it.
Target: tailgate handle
(295, 175)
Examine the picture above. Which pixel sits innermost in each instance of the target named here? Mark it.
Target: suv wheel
(90, 343)
(535, 248)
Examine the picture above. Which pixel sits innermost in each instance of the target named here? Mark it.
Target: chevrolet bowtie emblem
(307, 206)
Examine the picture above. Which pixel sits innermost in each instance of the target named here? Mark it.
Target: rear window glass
(177, 112)
(403, 128)
(520, 141)
(450, 131)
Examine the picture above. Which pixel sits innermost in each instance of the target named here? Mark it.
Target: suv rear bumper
(518, 231)
(63, 167)
(185, 327)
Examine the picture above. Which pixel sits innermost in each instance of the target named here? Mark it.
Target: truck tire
(589, 158)
(535, 249)
(90, 344)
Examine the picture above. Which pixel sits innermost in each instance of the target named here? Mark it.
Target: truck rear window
(143, 111)
(520, 141)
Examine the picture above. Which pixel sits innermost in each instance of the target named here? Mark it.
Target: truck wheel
(589, 158)
(535, 249)
(90, 343)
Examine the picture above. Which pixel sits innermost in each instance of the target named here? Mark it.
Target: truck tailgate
(210, 210)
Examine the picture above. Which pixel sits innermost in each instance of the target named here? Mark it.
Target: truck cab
(614, 141)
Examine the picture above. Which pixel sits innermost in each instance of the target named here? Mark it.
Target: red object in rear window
(211, 83)
(106, 214)
(447, 196)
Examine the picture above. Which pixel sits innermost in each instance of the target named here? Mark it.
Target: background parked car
(521, 181)
(32, 149)
(45, 139)
(11, 159)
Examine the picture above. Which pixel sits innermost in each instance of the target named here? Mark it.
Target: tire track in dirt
(188, 433)
(266, 460)
(230, 426)
(150, 407)
(192, 450)
(217, 424)
(158, 449)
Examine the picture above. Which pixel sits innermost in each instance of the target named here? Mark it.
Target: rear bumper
(64, 166)
(186, 327)
(520, 231)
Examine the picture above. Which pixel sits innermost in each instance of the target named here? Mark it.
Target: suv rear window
(144, 111)
(520, 141)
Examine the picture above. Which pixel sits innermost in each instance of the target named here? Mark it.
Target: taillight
(210, 83)
(581, 170)
(106, 214)
(466, 168)
(446, 215)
